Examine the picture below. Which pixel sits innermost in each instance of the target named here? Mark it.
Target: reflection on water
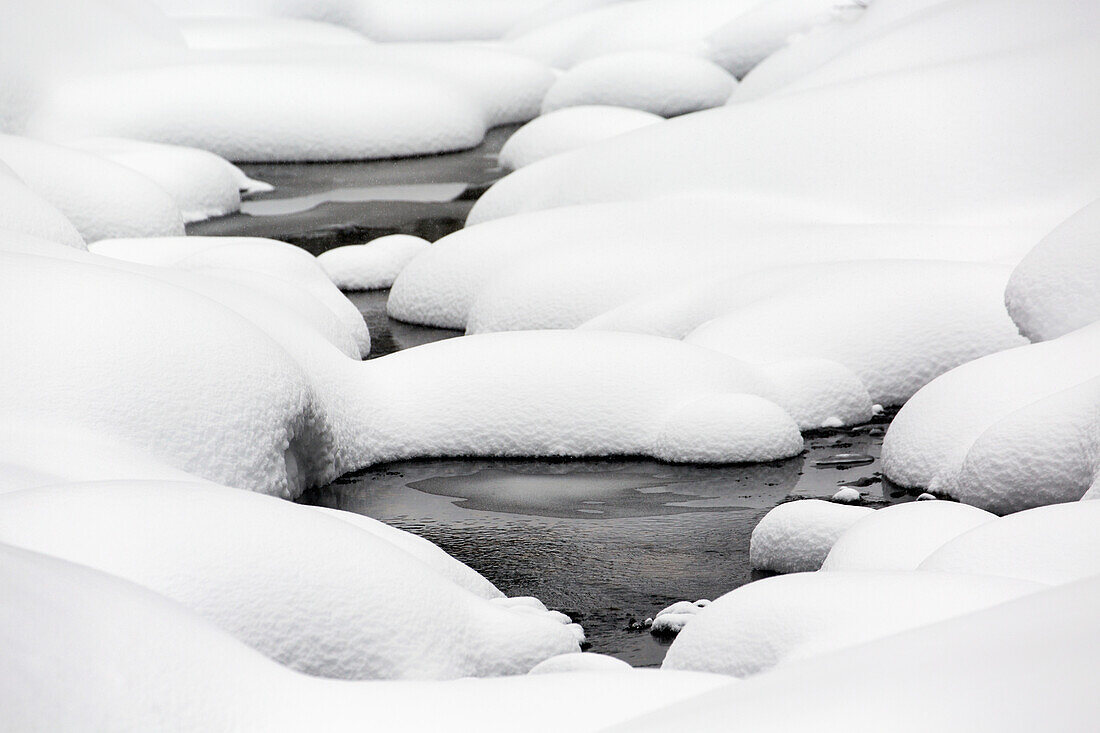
(608, 541)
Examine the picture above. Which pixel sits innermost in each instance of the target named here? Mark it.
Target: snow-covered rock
(1054, 289)
(373, 265)
(567, 129)
(796, 536)
(25, 212)
(1026, 664)
(733, 428)
(202, 184)
(674, 618)
(847, 495)
(1050, 544)
(660, 83)
(314, 592)
(82, 646)
(100, 197)
(900, 537)
(761, 624)
(580, 662)
(1010, 431)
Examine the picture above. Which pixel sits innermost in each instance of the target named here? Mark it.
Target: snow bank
(25, 212)
(275, 268)
(1005, 668)
(1051, 544)
(101, 198)
(734, 428)
(315, 593)
(759, 625)
(212, 32)
(665, 84)
(899, 537)
(71, 661)
(1053, 290)
(924, 319)
(1053, 169)
(579, 662)
(796, 536)
(202, 184)
(567, 129)
(370, 266)
(1006, 432)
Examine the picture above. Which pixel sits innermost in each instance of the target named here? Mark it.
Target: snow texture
(847, 495)
(1052, 544)
(796, 536)
(23, 211)
(1007, 432)
(371, 266)
(214, 32)
(759, 625)
(674, 618)
(1054, 289)
(733, 428)
(580, 662)
(567, 129)
(900, 537)
(664, 84)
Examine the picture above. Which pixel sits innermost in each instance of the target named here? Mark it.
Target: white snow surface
(100, 197)
(1052, 544)
(313, 592)
(1004, 668)
(900, 537)
(796, 536)
(202, 184)
(567, 129)
(1010, 431)
(732, 428)
(1054, 288)
(672, 619)
(580, 662)
(884, 162)
(661, 83)
(71, 660)
(761, 624)
(23, 211)
(371, 266)
(216, 32)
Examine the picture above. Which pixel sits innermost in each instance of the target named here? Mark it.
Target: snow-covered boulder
(757, 626)
(580, 662)
(900, 537)
(25, 212)
(1021, 665)
(202, 184)
(314, 592)
(371, 266)
(926, 318)
(665, 84)
(100, 197)
(85, 646)
(796, 536)
(1050, 544)
(1054, 289)
(672, 619)
(733, 428)
(1010, 431)
(570, 128)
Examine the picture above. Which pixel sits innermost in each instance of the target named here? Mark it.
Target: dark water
(609, 542)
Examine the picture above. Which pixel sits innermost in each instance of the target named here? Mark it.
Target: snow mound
(926, 318)
(847, 495)
(796, 536)
(1010, 431)
(665, 84)
(202, 184)
(25, 212)
(70, 660)
(212, 32)
(750, 38)
(264, 264)
(101, 198)
(1053, 290)
(580, 662)
(1051, 544)
(270, 111)
(874, 176)
(674, 618)
(569, 128)
(974, 672)
(733, 428)
(761, 624)
(315, 593)
(371, 266)
(899, 537)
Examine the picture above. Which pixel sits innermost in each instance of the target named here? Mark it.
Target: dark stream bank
(608, 541)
